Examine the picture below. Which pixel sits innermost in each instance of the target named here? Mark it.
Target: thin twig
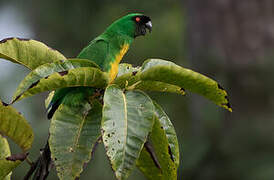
(29, 161)
(41, 166)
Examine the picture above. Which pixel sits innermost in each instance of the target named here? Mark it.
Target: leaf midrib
(79, 133)
(126, 125)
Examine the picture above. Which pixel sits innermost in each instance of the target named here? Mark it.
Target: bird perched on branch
(107, 50)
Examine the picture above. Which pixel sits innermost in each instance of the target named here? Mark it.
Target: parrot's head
(133, 25)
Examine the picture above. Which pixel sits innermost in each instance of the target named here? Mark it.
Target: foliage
(134, 129)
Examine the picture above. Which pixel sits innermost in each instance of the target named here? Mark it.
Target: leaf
(4, 152)
(165, 148)
(129, 77)
(4, 147)
(49, 98)
(45, 70)
(159, 87)
(168, 72)
(27, 52)
(126, 68)
(127, 120)
(15, 126)
(82, 76)
(7, 166)
(170, 133)
(7, 161)
(74, 132)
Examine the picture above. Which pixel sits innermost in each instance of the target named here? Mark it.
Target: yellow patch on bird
(114, 66)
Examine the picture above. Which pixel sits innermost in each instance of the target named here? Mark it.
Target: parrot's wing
(97, 51)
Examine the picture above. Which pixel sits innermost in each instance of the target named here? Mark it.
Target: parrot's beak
(149, 26)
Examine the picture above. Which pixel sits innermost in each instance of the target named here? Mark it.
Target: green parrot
(107, 50)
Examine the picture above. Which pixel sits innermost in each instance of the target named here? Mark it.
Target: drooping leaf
(168, 72)
(74, 132)
(82, 76)
(129, 78)
(45, 70)
(162, 159)
(127, 120)
(27, 52)
(170, 133)
(15, 126)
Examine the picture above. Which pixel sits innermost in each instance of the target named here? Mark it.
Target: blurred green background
(230, 41)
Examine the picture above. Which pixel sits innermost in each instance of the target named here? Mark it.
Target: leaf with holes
(129, 77)
(48, 69)
(168, 72)
(159, 159)
(27, 52)
(126, 68)
(127, 120)
(82, 76)
(74, 131)
(7, 164)
(15, 126)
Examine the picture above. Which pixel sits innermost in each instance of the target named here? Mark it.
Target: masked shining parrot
(107, 50)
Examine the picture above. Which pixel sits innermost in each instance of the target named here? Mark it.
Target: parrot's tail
(68, 96)
(52, 107)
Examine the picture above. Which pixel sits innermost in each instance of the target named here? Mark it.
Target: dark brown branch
(41, 166)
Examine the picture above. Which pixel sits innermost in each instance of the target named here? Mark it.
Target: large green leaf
(47, 69)
(162, 159)
(27, 52)
(74, 132)
(82, 76)
(168, 72)
(129, 78)
(15, 126)
(127, 120)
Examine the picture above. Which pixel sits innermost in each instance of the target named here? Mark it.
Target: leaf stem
(133, 85)
(29, 161)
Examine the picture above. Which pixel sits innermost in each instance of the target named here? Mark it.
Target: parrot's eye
(137, 19)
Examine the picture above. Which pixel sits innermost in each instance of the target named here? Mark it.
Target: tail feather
(53, 106)
(68, 96)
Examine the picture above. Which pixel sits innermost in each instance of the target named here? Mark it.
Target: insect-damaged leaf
(6, 166)
(82, 76)
(27, 52)
(168, 72)
(129, 77)
(74, 131)
(127, 120)
(15, 126)
(126, 68)
(45, 70)
(162, 160)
